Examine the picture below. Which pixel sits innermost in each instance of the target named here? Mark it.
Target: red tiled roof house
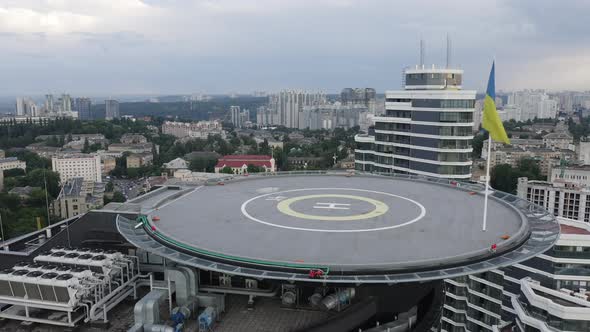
(239, 163)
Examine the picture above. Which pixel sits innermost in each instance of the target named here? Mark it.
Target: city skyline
(147, 47)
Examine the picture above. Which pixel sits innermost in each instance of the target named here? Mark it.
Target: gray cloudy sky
(216, 46)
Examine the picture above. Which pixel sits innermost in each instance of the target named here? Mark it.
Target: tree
(14, 172)
(118, 197)
(37, 178)
(503, 177)
(477, 144)
(109, 187)
(227, 170)
(86, 148)
(203, 164)
(254, 169)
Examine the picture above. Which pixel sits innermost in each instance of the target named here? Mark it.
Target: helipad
(361, 224)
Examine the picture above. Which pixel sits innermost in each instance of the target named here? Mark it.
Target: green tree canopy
(227, 170)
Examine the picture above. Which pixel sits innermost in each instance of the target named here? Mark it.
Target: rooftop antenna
(449, 47)
(421, 53)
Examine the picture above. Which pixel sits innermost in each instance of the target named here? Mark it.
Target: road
(130, 188)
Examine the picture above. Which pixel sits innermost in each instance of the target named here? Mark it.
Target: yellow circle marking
(285, 207)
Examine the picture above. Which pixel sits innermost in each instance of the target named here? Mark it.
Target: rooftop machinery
(64, 286)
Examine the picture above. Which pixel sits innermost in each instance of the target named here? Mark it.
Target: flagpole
(485, 204)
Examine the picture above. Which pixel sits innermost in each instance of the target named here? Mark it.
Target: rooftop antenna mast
(421, 53)
(449, 54)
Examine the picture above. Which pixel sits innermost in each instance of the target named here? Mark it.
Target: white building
(583, 151)
(284, 107)
(111, 109)
(533, 104)
(236, 116)
(579, 175)
(11, 163)
(201, 129)
(427, 128)
(563, 199)
(559, 140)
(78, 165)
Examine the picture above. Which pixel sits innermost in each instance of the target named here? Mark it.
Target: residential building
(546, 158)
(545, 293)
(175, 165)
(133, 139)
(304, 162)
(518, 143)
(25, 107)
(583, 150)
(137, 160)
(133, 148)
(427, 128)
(559, 140)
(11, 163)
(111, 109)
(201, 129)
(533, 104)
(108, 164)
(578, 175)
(78, 196)
(83, 106)
(236, 116)
(284, 107)
(78, 165)
(477, 115)
(239, 163)
(562, 198)
(271, 142)
(2, 154)
(23, 192)
(366, 97)
(331, 116)
(44, 151)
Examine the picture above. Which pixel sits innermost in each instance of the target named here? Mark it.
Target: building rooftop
(8, 159)
(567, 229)
(560, 135)
(22, 190)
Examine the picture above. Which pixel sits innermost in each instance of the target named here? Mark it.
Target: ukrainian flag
(491, 120)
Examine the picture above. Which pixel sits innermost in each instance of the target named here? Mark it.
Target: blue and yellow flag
(490, 119)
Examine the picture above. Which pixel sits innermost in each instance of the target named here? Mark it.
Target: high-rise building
(83, 107)
(26, 107)
(359, 96)
(111, 109)
(20, 106)
(532, 104)
(427, 128)
(65, 103)
(236, 116)
(284, 107)
(49, 103)
(331, 116)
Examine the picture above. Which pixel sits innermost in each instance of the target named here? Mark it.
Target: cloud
(170, 46)
(22, 20)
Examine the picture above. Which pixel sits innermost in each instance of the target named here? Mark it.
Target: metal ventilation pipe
(184, 284)
(333, 300)
(147, 313)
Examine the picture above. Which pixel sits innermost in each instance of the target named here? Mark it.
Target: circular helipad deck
(357, 224)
